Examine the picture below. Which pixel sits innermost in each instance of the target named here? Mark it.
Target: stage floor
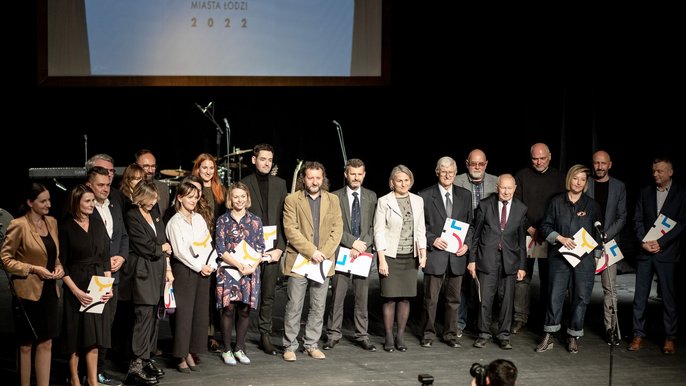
(348, 364)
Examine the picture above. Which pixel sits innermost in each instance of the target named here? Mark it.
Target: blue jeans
(579, 280)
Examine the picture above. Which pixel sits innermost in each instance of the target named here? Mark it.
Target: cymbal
(175, 172)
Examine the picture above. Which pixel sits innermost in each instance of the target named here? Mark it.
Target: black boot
(266, 344)
(138, 376)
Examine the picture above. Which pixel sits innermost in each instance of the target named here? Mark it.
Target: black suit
(442, 265)
(269, 272)
(664, 263)
(147, 266)
(499, 255)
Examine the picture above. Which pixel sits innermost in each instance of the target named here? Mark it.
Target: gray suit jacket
(490, 181)
(367, 208)
(277, 195)
(615, 213)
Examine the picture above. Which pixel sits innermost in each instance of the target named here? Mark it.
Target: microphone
(226, 122)
(336, 123)
(599, 227)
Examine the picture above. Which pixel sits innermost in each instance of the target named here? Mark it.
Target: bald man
(535, 186)
(500, 258)
(610, 193)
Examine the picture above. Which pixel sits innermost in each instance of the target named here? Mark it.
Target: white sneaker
(228, 358)
(240, 355)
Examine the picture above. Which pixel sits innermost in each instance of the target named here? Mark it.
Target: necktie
(503, 216)
(355, 217)
(448, 205)
(503, 222)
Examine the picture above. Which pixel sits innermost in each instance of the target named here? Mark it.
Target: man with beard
(268, 193)
(313, 225)
(610, 193)
(482, 185)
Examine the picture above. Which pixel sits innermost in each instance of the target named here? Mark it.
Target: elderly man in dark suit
(500, 258)
(358, 236)
(659, 256)
(610, 193)
(441, 201)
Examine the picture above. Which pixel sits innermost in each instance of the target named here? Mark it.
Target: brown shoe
(668, 347)
(636, 343)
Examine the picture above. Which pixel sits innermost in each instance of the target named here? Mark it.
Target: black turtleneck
(263, 184)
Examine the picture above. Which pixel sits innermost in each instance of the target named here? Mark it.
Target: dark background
(499, 80)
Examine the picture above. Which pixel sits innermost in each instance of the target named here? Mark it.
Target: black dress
(84, 254)
(43, 313)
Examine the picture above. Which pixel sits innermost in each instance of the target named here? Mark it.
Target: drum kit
(176, 175)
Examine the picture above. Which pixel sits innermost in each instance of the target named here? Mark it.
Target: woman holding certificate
(84, 249)
(238, 280)
(30, 254)
(566, 214)
(193, 262)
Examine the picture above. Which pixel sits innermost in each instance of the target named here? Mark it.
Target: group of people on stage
(145, 239)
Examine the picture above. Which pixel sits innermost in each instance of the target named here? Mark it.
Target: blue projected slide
(220, 38)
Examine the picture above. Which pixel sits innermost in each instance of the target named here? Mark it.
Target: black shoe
(505, 344)
(481, 342)
(400, 345)
(388, 348)
(151, 368)
(452, 342)
(546, 343)
(611, 338)
(331, 343)
(426, 343)
(459, 332)
(367, 345)
(105, 379)
(266, 345)
(138, 376)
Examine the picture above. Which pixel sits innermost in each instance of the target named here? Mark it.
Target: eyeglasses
(153, 166)
(446, 173)
(475, 164)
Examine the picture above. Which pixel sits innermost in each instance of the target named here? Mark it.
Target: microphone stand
(342, 142)
(208, 112)
(613, 313)
(226, 162)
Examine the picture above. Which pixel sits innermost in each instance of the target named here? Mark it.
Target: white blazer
(388, 221)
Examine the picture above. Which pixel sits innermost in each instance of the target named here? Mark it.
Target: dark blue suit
(497, 269)
(664, 262)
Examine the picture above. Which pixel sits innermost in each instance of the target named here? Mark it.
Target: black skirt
(401, 281)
